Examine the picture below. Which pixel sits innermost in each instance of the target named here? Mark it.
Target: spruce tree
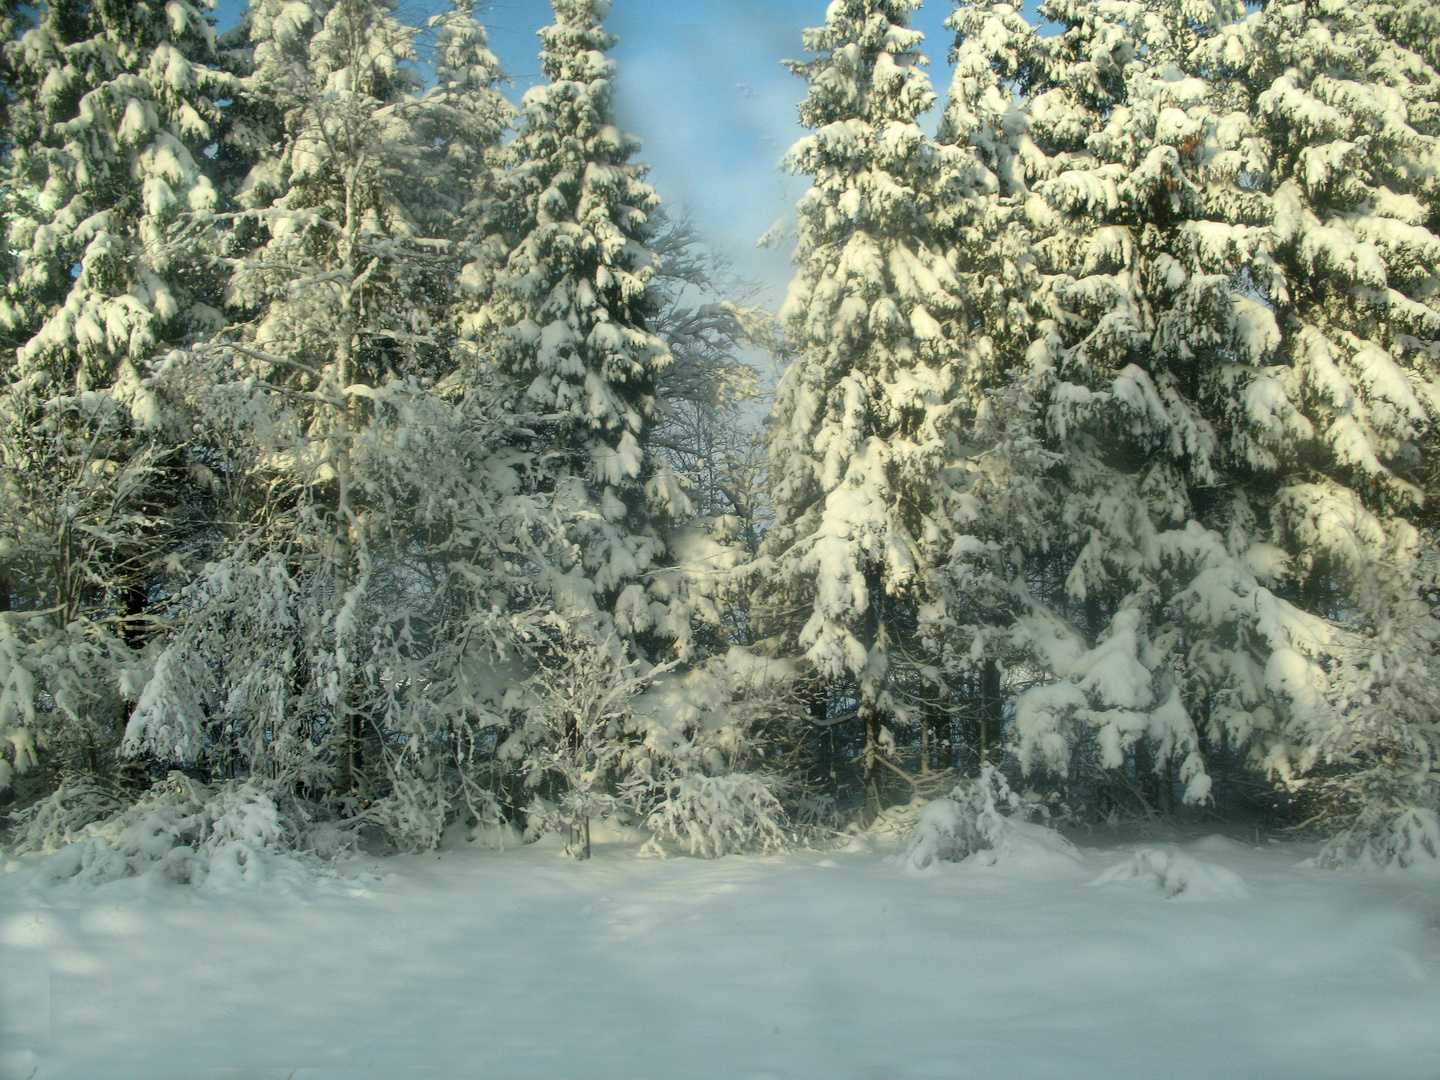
(568, 320)
(1347, 114)
(1123, 311)
(861, 425)
(1227, 358)
(568, 316)
(996, 481)
(110, 108)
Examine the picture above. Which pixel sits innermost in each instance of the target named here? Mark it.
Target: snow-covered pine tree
(1411, 24)
(110, 107)
(349, 641)
(995, 482)
(568, 320)
(1347, 112)
(466, 116)
(14, 20)
(861, 423)
(1229, 358)
(1108, 470)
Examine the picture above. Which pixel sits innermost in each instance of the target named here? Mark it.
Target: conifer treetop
(867, 67)
(114, 104)
(572, 297)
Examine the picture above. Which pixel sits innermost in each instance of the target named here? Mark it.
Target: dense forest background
(378, 455)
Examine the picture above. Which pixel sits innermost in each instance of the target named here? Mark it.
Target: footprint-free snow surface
(1203, 959)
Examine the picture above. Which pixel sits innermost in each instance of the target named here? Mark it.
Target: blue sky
(701, 82)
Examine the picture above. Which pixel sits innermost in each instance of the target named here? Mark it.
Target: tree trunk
(577, 837)
(943, 738)
(992, 711)
(871, 718)
(135, 604)
(139, 769)
(347, 720)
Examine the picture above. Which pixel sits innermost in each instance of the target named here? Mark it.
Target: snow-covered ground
(1210, 958)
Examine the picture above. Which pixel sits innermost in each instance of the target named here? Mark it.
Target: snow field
(1206, 959)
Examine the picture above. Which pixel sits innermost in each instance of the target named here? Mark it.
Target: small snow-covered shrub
(183, 830)
(721, 815)
(685, 750)
(61, 817)
(418, 809)
(1385, 838)
(570, 816)
(940, 833)
(969, 820)
(493, 836)
(812, 812)
(1176, 876)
